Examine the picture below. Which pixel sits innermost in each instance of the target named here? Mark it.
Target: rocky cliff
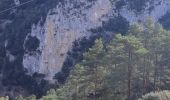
(66, 23)
(36, 37)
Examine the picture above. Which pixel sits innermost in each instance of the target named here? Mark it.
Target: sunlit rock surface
(159, 8)
(66, 23)
(63, 26)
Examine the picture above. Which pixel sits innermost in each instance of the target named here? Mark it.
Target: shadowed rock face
(63, 26)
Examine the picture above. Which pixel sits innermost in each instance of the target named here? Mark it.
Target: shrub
(162, 95)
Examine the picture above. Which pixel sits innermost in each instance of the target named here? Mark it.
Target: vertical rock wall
(72, 20)
(63, 26)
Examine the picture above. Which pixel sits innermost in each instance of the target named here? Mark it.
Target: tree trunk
(95, 84)
(129, 75)
(144, 76)
(155, 73)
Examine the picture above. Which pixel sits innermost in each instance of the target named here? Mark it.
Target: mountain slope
(35, 38)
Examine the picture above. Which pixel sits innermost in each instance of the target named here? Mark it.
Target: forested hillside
(84, 49)
(134, 66)
(124, 68)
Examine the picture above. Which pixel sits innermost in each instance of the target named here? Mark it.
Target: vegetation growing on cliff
(125, 68)
(12, 36)
(165, 21)
(128, 67)
(161, 95)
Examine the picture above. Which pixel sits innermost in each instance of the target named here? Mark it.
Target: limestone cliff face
(63, 26)
(155, 9)
(66, 23)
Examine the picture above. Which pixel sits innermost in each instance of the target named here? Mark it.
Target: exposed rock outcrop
(156, 10)
(73, 20)
(63, 26)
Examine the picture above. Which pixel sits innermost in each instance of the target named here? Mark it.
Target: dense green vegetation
(162, 95)
(125, 68)
(15, 32)
(128, 67)
(74, 56)
(118, 24)
(136, 5)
